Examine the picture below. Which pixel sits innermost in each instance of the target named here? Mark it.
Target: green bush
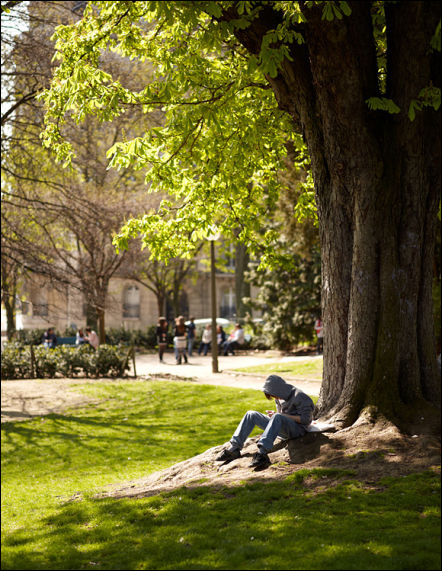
(16, 361)
(146, 338)
(30, 336)
(109, 361)
(67, 361)
(74, 360)
(46, 362)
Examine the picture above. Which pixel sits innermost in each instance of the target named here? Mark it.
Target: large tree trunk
(377, 180)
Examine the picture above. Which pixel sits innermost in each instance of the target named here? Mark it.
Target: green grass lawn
(52, 466)
(305, 369)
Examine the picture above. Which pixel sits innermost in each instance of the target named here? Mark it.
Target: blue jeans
(204, 347)
(190, 343)
(278, 425)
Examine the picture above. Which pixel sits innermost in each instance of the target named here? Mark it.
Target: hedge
(26, 361)
(142, 338)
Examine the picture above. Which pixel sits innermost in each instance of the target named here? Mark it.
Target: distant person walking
(319, 335)
(180, 340)
(162, 330)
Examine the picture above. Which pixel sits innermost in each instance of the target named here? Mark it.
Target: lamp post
(214, 236)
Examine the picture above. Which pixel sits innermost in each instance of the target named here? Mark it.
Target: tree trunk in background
(377, 180)
(11, 328)
(242, 286)
(91, 316)
(101, 326)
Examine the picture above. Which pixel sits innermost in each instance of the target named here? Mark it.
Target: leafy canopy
(223, 137)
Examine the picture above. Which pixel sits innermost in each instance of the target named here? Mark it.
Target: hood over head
(277, 387)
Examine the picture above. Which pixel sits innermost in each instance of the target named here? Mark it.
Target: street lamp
(212, 238)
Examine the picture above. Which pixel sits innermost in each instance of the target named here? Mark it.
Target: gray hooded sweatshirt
(296, 402)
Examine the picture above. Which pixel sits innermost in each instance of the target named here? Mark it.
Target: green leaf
(382, 104)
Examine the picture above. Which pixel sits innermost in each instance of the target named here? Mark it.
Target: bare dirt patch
(25, 399)
(369, 451)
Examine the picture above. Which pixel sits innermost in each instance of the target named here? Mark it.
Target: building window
(40, 310)
(131, 302)
(228, 304)
(40, 306)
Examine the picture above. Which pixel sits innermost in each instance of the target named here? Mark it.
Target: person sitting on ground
(235, 340)
(290, 420)
(49, 338)
(92, 338)
(206, 340)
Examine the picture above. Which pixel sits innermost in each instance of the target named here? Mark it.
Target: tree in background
(59, 224)
(361, 82)
(290, 290)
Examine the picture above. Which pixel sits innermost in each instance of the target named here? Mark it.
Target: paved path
(199, 369)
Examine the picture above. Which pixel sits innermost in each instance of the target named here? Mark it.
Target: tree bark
(377, 181)
(9, 304)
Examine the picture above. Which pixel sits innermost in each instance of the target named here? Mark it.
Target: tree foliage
(223, 139)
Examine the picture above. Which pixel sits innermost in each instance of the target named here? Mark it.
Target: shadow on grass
(302, 522)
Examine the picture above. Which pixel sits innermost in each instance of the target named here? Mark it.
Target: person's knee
(277, 418)
(251, 413)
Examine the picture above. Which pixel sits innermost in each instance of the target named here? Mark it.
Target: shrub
(145, 338)
(15, 362)
(110, 361)
(106, 361)
(74, 360)
(140, 338)
(30, 336)
(47, 362)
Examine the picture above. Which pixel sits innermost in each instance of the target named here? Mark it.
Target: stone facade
(129, 304)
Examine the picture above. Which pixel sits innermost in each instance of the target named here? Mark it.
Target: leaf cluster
(217, 153)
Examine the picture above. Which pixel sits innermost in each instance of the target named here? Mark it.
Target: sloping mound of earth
(370, 451)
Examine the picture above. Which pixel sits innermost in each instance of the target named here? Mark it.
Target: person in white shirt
(235, 340)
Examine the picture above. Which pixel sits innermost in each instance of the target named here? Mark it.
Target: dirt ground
(25, 399)
(372, 451)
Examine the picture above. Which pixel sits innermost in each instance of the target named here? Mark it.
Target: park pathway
(199, 369)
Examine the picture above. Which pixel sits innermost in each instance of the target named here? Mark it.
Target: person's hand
(270, 413)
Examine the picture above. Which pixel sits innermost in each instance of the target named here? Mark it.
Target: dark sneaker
(228, 455)
(260, 461)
